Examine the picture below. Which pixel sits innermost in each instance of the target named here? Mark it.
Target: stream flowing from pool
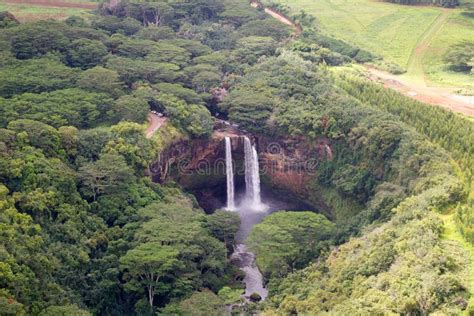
(249, 217)
(251, 210)
(252, 204)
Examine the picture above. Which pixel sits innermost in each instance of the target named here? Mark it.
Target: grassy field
(47, 9)
(386, 29)
(413, 37)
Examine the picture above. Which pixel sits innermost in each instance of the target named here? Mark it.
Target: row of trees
(451, 131)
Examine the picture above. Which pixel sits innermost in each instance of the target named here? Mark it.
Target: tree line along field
(394, 32)
(47, 9)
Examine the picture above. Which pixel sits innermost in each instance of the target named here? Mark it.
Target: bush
(364, 56)
(460, 57)
(7, 20)
(390, 67)
(265, 27)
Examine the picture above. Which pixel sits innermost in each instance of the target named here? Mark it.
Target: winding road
(443, 97)
(274, 14)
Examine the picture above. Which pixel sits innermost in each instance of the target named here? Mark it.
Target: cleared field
(415, 37)
(386, 29)
(33, 10)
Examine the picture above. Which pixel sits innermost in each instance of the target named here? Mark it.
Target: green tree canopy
(204, 303)
(223, 225)
(99, 79)
(39, 134)
(105, 176)
(130, 108)
(85, 53)
(61, 107)
(285, 241)
(176, 89)
(34, 76)
(64, 311)
(156, 33)
(149, 262)
(36, 39)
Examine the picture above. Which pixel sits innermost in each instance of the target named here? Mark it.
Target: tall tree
(106, 175)
(149, 262)
(223, 225)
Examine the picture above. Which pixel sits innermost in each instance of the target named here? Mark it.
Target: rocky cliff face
(290, 162)
(198, 156)
(286, 164)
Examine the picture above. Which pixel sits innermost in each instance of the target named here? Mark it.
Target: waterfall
(252, 175)
(229, 174)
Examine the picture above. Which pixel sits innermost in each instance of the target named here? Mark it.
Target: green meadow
(458, 28)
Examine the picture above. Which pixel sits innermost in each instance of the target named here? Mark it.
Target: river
(249, 217)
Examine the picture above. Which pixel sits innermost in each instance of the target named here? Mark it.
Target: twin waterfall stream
(252, 176)
(251, 211)
(229, 170)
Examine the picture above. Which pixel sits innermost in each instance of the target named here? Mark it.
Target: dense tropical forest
(84, 229)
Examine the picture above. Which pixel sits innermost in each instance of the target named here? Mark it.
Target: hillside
(200, 157)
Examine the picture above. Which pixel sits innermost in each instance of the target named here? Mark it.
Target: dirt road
(276, 15)
(415, 62)
(155, 122)
(280, 17)
(443, 97)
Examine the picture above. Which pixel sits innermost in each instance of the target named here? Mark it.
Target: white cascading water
(252, 175)
(229, 174)
(251, 211)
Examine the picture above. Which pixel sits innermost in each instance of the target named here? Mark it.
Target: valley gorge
(272, 176)
(207, 166)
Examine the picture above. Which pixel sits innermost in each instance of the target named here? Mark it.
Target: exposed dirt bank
(443, 97)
